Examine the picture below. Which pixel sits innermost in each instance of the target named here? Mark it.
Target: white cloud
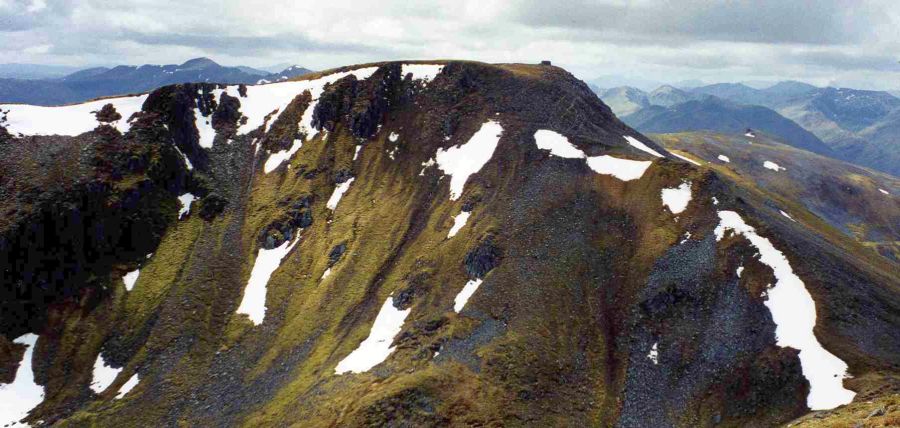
(37, 49)
(652, 39)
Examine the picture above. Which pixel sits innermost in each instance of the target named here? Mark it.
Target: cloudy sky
(839, 42)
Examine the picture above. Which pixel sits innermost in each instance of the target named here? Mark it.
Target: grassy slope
(556, 335)
(813, 189)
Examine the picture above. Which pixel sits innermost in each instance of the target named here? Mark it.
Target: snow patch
(377, 347)
(325, 274)
(458, 222)
(132, 382)
(275, 159)
(724, 158)
(130, 278)
(356, 152)
(393, 137)
(267, 261)
(463, 297)
(715, 201)
(462, 161)
(884, 191)
(104, 375)
(740, 270)
(23, 394)
(425, 165)
(677, 198)
(558, 145)
(794, 313)
(623, 169)
(185, 200)
(204, 128)
(641, 146)
(787, 215)
(338, 194)
(68, 120)
(264, 99)
(773, 166)
(653, 355)
(424, 72)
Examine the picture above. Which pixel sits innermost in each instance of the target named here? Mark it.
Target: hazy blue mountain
(34, 71)
(736, 92)
(124, 79)
(668, 95)
(715, 114)
(624, 100)
(251, 70)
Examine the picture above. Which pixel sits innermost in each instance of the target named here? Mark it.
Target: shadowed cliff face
(397, 244)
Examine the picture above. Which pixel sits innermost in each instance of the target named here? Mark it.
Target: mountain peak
(201, 62)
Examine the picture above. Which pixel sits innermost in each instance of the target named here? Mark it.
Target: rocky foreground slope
(411, 244)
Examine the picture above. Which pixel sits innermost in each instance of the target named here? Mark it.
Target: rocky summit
(439, 243)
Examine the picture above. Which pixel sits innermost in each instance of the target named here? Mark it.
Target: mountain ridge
(92, 83)
(489, 240)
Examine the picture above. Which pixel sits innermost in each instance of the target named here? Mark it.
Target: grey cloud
(245, 45)
(755, 21)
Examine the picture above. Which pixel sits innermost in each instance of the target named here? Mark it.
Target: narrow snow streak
(641, 146)
(787, 215)
(677, 198)
(794, 313)
(104, 375)
(462, 161)
(23, 394)
(653, 355)
(724, 158)
(458, 222)
(884, 191)
(338, 194)
(559, 145)
(68, 120)
(128, 386)
(463, 297)
(186, 200)
(130, 278)
(267, 261)
(187, 162)
(424, 72)
(377, 347)
(685, 158)
(773, 166)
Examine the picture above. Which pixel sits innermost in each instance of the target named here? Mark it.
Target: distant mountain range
(858, 126)
(713, 113)
(34, 71)
(125, 79)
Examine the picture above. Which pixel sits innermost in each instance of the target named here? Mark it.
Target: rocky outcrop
(564, 296)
